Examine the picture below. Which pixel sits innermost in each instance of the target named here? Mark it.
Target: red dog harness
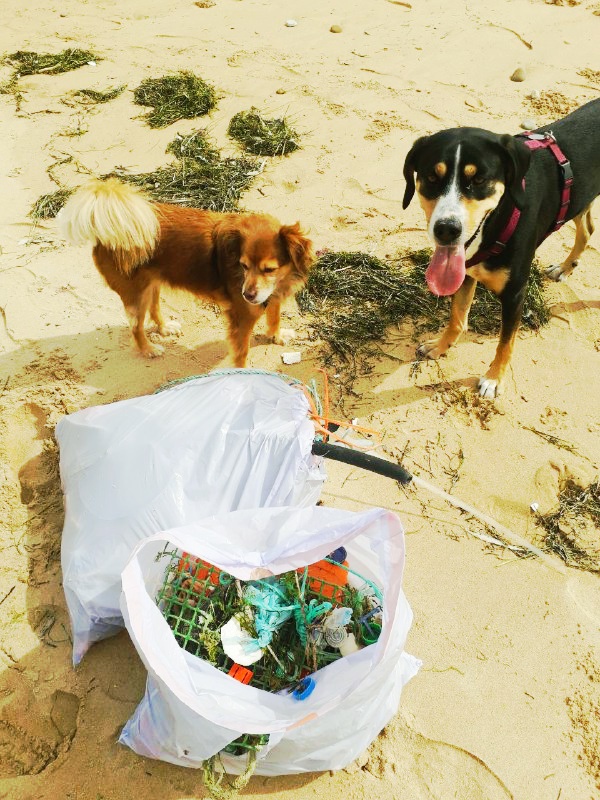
(535, 141)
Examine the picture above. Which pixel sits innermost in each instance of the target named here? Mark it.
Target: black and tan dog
(490, 200)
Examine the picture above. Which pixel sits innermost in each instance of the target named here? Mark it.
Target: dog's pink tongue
(446, 270)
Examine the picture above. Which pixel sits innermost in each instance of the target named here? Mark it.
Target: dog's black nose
(447, 230)
(250, 295)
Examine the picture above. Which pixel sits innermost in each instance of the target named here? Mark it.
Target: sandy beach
(507, 702)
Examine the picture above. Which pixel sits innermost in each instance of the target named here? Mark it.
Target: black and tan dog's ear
(516, 156)
(299, 249)
(409, 170)
(227, 243)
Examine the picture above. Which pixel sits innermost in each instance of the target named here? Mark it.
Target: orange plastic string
(322, 421)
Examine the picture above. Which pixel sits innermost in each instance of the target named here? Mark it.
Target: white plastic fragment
(238, 644)
(534, 507)
(291, 358)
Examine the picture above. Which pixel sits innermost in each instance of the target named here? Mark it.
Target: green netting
(246, 743)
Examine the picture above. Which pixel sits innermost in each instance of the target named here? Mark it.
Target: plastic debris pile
(272, 633)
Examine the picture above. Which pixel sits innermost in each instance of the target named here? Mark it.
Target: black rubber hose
(363, 460)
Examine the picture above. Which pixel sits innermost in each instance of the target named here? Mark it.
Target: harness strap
(535, 141)
(500, 243)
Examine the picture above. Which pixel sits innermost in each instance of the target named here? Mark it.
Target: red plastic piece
(240, 673)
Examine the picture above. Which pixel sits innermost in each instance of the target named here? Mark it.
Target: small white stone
(535, 94)
(534, 507)
(528, 124)
(290, 23)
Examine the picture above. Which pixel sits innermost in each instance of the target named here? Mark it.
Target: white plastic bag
(139, 466)
(191, 710)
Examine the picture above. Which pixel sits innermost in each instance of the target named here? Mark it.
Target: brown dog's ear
(516, 156)
(299, 248)
(409, 170)
(227, 244)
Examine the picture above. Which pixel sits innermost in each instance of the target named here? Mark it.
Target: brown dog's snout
(250, 293)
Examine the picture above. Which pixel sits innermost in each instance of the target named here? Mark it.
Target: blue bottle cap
(304, 688)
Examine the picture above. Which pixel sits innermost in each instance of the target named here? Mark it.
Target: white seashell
(290, 23)
(335, 637)
(238, 644)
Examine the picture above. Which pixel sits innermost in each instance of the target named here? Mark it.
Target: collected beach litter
(266, 634)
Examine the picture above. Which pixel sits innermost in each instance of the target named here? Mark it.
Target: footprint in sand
(430, 769)
(29, 742)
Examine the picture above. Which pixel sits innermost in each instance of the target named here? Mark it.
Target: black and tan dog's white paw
(489, 387)
(431, 349)
(559, 272)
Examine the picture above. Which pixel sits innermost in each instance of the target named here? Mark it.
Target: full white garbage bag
(191, 709)
(133, 468)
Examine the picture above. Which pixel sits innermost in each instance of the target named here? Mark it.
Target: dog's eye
(432, 178)
(268, 270)
(244, 266)
(479, 180)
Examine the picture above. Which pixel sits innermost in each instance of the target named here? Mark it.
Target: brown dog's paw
(284, 336)
(153, 351)
(171, 328)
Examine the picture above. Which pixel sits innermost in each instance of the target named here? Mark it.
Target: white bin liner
(191, 710)
(133, 468)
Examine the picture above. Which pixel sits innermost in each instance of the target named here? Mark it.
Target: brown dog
(245, 263)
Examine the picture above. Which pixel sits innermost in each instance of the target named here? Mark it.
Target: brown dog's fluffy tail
(116, 216)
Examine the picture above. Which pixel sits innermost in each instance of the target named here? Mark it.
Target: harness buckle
(567, 173)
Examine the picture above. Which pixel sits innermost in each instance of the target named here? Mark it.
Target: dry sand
(508, 701)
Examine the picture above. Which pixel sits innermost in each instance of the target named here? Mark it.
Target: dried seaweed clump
(94, 96)
(48, 205)
(175, 97)
(592, 75)
(198, 177)
(573, 530)
(485, 313)
(552, 104)
(352, 298)
(262, 137)
(27, 62)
